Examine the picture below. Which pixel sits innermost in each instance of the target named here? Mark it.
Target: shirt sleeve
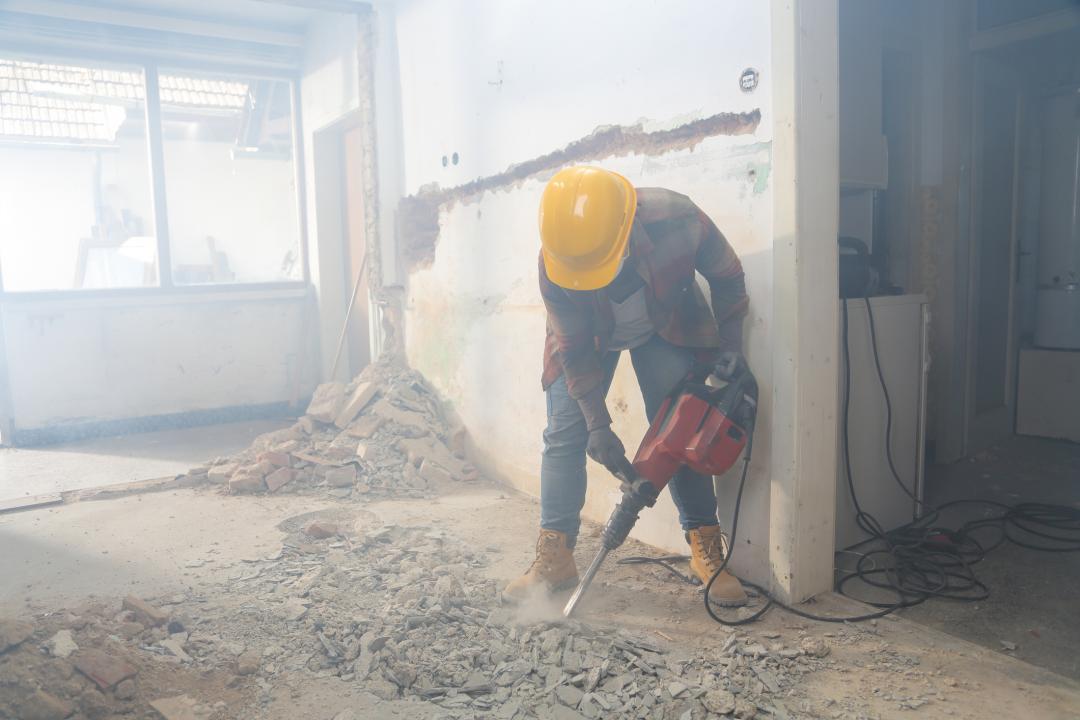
(570, 323)
(720, 266)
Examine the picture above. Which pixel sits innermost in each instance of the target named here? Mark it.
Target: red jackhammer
(705, 428)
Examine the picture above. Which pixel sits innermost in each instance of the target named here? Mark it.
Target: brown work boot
(706, 555)
(552, 570)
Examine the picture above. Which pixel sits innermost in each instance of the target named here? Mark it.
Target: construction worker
(618, 271)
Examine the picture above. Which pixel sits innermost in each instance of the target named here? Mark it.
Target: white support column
(805, 324)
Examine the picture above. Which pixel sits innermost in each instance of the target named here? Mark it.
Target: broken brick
(245, 482)
(105, 670)
(327, 401)
(279, 478)
(276, 458)
(321, 529)
(344, 476)
(365, 427)
(431, 448)
(145, 613)
(361, 396)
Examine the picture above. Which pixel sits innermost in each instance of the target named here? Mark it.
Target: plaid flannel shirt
(678, 241)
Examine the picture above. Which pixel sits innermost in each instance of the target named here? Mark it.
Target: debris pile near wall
(382, 434)
(404, 614)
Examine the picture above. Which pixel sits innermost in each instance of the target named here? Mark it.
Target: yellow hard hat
(585, 219)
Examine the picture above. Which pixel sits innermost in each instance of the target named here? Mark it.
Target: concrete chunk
(434, 473)
(61, 644)
(407, 418)
(220, 474)
(367, 451)
(365, 427)
(344, 476)
(431, 448)
(246, 482)
(327, 401)
(361, 396)
(180, 707)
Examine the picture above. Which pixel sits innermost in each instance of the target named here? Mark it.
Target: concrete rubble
(383, 434)
(406, 614)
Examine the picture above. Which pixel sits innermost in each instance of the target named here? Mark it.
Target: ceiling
(291, 16)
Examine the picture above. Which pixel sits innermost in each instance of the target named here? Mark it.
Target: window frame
(155, 157)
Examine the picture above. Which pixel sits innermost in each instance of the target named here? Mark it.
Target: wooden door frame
(356, 267)
(331, 272)
(975, 432)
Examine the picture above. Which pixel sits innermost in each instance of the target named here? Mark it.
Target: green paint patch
(757, 168)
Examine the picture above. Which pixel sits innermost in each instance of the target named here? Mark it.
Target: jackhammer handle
(623, 469)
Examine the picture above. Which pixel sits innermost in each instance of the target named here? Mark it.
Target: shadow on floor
(1033, 595)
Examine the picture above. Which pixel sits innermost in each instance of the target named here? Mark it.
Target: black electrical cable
(919, 560)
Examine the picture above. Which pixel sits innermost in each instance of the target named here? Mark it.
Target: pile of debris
(382, 434)
(92, 665)
(403, 613)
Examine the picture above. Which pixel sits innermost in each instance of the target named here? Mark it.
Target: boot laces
(546, 548)
(711, 549)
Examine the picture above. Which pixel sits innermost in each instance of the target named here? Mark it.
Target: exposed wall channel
(419, 213)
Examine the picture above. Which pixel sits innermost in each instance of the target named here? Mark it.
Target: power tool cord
(918, 560)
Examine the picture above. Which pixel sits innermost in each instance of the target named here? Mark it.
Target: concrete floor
(195, 541)
(34, 472)
(1033, 595)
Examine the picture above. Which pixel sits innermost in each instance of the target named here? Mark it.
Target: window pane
(75, 207)
(229, 179)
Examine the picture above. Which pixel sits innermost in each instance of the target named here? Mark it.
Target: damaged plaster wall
(489, 112)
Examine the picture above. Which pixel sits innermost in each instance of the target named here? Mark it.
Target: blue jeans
(659, 365)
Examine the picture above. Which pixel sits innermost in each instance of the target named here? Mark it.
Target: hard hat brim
(601, 275)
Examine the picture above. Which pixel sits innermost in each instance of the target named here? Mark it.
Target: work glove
(606, 448)
(729, 364)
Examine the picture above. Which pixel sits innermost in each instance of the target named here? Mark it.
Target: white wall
(89, 360)
(503, 82)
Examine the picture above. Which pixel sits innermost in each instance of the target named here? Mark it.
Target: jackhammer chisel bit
(638, 493)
